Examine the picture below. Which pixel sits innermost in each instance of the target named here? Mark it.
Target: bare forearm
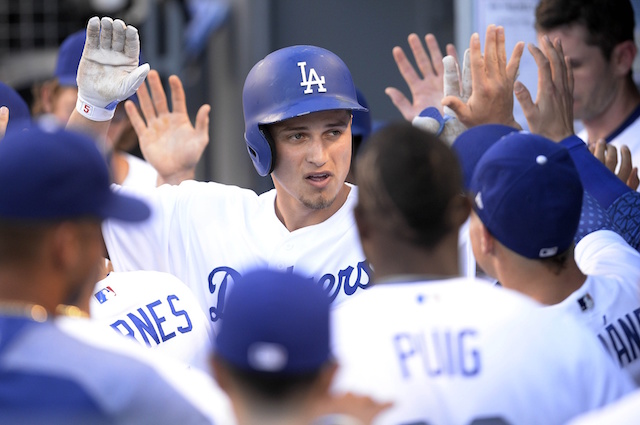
(96, 129)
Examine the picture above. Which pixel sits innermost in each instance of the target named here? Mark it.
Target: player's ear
(458, 210)
(623, 56)
(325, 378)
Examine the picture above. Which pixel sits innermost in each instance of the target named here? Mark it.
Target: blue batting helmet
(288, 83)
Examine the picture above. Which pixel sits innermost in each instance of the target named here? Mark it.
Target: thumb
(459, 107)
(401, 102)
(524, 98)
(202, 119)
(134, 79)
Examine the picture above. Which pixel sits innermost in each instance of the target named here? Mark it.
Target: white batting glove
(108, 71)
(447, 127)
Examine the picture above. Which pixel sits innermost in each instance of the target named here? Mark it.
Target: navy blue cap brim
(125, 208)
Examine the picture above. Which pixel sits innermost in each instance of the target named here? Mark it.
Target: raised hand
(108, 71)
(608, 155)
(426, 90)
(167, 139)
(552, 113)
(492, 80)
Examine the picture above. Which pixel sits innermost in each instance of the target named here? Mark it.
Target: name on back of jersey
(156, 322)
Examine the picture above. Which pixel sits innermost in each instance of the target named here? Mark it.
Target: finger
(117, 39)
(556, 62)
(624, 172)
(544, 71)
(634, 181)
(523, 96)
(106, 33)
(477, 66)
(599, 150)
(490, 51)
(561, 66)
(132, 42)
(137, 122)
(435, 53)
(466, 75)
(178, 99)
(611, 157)
(514, 62)
(401, 102)
(157, 93)
(501, 51)
(451, 51)
(93, 33)
(451, 76)
(4, 120)
(202, 120)
(420, 55)
(146, 104)
(404, 66)
(570, 80)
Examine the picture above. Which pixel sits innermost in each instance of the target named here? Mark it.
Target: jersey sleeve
(607, 253)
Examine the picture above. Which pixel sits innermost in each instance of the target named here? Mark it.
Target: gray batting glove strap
(108, 71)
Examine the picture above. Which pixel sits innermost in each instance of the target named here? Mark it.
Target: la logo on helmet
(311, 80)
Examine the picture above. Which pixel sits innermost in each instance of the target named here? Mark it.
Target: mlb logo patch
(585, 302)
(105, 294)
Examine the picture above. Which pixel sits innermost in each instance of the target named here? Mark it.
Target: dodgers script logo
(347, 281)
(312, 79)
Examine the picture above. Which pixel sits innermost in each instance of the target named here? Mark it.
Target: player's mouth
(318, 179)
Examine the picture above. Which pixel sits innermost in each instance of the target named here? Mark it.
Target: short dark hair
(411, 175)
(269, 387)
(608, 22)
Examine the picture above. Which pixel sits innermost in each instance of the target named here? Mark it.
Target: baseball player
(599, 38)
(54, 193)
(297, 107)
(447, 350)
(157, 310)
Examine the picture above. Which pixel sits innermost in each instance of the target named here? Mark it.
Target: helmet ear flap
(272, 146)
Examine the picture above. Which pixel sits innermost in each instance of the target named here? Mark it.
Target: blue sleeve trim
(592, 218)
(625, 214)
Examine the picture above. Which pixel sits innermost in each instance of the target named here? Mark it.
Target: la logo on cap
(312, 79)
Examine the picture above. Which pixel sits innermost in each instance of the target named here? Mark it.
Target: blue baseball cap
(19, 115)
(275, 322)
(69, 56)
(528, 193)
(473, 143)
(59, 175)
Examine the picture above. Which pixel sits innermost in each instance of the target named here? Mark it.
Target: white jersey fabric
(625, 411)
(141, 173)
(157, 310)
(208, 234)
(457, 352)
(72, 371)
(608, 303)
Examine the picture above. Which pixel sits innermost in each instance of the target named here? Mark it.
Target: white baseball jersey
(208, 234)
(158, 311)
(459, 352)
(74, 371)
(625, 411)
(608, 303)
(141, 173)
(629, 135)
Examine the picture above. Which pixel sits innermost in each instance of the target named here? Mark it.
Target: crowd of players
(475, 274)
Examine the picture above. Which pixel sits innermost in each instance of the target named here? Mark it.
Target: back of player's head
(48, 176)
(528, 194)
(19, 115)
(407, 177)
(607, 22)
(275, 323)
(288, 83)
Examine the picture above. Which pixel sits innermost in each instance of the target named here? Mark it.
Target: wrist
(95, 113)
